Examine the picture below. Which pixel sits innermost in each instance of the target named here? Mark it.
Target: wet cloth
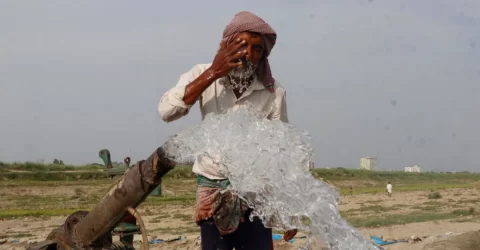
(215, 201)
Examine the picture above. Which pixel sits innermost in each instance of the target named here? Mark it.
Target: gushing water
(267, 163)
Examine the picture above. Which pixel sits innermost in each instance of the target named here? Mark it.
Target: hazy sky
(399, 80)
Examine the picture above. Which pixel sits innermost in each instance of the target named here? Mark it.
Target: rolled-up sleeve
(172, 106)
(280, 106)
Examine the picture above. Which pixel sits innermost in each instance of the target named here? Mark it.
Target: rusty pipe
(131, 190)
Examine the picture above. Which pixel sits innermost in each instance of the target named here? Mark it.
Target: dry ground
(29, 211)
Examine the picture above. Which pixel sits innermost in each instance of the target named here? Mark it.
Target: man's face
(255, 47)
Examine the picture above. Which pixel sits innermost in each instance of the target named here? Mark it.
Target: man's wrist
(211, 74)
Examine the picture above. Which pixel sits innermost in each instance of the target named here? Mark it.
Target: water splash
(267, 163)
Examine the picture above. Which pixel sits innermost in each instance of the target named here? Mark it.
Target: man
(389, 189)
(238, 76)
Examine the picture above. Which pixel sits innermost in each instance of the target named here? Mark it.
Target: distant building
(368, 163)
(311, 165)
(414, 169)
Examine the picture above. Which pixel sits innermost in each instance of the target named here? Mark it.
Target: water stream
(270, 160)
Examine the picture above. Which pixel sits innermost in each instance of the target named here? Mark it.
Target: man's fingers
(234, 62)
(237, 55)
(222, 45)
(234, 65)
(232, 48)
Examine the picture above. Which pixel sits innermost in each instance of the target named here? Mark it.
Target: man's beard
(242, 78)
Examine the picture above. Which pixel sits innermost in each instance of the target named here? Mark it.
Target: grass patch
(375, 201)
(18, 235)
(464, 212)
(474, 218)
(34, 167)
(402, 219)
(53, 172)
(374, 208)
(426, 208)
(393, 176)
(399, 206)
(306, 220)
(6, 214)
(433, 203)
(176, 230)
(429, 206)
(408, 188)
(52, 176)
(398, 219)
(160, 218)
(154, 200)
(434, 195)
(400, 180)
(183, 217)
(63, 183)
(50, 202)
(466, 201)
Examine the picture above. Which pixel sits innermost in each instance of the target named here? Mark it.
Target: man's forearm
(194, 89)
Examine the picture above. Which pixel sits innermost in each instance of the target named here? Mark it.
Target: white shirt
(220, 100)
(389, 187)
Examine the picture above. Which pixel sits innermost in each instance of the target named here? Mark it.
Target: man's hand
(227, 58)
(288, 235)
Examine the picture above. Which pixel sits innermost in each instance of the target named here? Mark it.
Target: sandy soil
(167, 221)
(428, 231)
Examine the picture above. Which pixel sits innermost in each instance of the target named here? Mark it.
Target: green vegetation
(434, 195)
(37, 213)
(374, 209)
(430, 206)
(176, 230)
(183, 217)
(64, 183)
(464, 212)
(57, 172)
(403, 187)
(401, 219)
(366, 181)
(160, 218)
(393, 176)
(37, 167)
(52, 176)
(184, 199)
(16, 235)
(22, 189)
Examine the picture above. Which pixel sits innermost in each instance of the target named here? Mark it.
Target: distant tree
(55, 161)
(61, 162)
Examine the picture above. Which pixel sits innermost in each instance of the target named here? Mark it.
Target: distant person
(351, 190)
(239, 74)
(389, 189)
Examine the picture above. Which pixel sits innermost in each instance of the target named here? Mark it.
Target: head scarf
(247, 21)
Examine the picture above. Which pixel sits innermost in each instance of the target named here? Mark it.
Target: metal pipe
(131, 190)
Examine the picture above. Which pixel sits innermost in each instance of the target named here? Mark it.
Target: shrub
(434, 195)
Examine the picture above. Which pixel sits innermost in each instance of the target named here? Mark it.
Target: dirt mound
(466, 241)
